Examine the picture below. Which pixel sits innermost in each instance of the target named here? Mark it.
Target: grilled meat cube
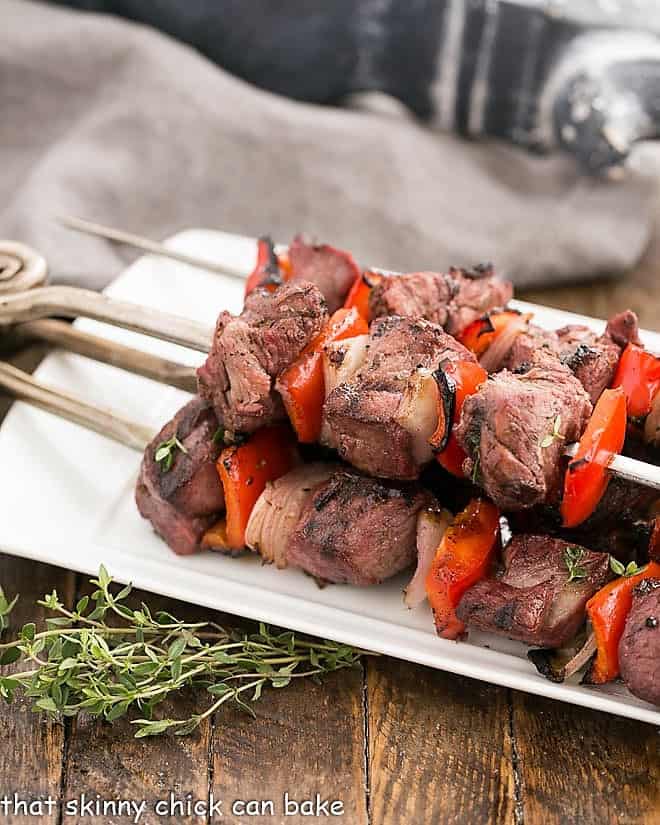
(526, 344)
(592, 358)
(532, 600)
(183, 500)
(515, 427)
(331, 270)
(337, 525)
(453, 300)
(639, 648)
(249, 352)
(380, 419)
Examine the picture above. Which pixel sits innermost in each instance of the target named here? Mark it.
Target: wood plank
(306, 739)
(33, 745)
(579, 765)
(106, 760)
(440, 747)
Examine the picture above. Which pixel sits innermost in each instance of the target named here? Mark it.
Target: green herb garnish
(81, 663)
(165, 452)
(620, 569)
(219, 436)
(555, 435)
(573, 556)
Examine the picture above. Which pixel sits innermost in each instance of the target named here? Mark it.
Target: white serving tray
(67, 498)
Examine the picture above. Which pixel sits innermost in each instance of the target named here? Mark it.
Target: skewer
(128, 238)
(629, 469)
(101, 420)
(72, 302)
(72, 339)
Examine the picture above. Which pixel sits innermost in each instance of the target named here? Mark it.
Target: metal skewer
(128, 238)
(101, 420)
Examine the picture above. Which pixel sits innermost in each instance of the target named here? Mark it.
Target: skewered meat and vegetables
(302, 385)
(388, 398)
(337, 525)
(381, 419)
(540, 596)
(452, 300)
(639, 648)
(250, 351)
(178, 488)
(514, 430)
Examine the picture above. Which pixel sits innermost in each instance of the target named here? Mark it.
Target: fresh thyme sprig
(81, 663)
(165, 452)
(573, 557)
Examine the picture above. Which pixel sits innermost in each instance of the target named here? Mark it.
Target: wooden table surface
(398, 744)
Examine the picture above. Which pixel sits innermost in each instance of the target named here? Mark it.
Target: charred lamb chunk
(534, 599)
(249, 352)
(639, 648)
(331, 270)
(593, 358)
(380, 419)
(181, 495)
(337, 525)
(453, 300)
(514, 430)
(526, 344)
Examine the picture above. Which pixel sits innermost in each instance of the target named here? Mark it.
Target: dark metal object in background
(581, 75)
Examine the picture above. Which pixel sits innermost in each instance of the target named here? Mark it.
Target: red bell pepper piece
(608, 610)
(358, 295)
(244, 471)
(302, 385)
(270, 270)
(638, 374)
(466, 377)
(480, 334)
(587, 477)
(463, 558)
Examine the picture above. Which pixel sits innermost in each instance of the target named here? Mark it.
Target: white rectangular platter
(67, 498)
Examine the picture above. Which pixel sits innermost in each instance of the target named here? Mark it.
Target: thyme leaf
(553, 436)
(165, 452)
(573, 556)
(620, 569)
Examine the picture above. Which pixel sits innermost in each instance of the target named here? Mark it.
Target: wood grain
(107, 760)
(578, 765)
(440, 747)
(306, 739)
(33, 745)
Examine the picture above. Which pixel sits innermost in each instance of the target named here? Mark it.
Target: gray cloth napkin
(116, 123)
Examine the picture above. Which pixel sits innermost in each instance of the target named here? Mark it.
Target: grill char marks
(505, 423)
(639, 648)
(380, 419)
(338, 525)
(183, 502)
(453, 300)
(249, 352)
(532, 600)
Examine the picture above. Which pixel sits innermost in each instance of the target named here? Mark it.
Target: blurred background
(417, 133)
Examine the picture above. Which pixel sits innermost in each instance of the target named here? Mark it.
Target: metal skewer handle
(71, 302)
(103, 421)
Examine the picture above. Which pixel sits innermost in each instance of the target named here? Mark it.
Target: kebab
(186, 500)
